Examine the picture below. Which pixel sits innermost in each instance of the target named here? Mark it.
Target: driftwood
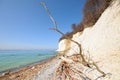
(65, 71)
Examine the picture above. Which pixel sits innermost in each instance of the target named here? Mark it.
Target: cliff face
(100, 44)
(100, 41)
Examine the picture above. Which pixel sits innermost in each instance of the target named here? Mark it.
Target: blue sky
(24, 23)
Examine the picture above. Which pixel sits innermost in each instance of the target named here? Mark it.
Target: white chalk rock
(102, 41)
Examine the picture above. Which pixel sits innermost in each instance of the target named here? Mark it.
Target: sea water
(10, 59)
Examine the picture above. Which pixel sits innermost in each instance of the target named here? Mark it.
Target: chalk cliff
(100, 42)
(100, 47)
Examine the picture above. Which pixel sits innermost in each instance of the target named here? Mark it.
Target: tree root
(66, 70)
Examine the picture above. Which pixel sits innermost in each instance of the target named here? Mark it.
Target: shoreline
(33, 67)
(23, 66)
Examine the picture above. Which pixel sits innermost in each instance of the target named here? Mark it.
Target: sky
(24, 23)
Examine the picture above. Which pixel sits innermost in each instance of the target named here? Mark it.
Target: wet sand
(44, 70)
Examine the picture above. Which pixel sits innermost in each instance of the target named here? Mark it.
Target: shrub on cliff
(91, 13)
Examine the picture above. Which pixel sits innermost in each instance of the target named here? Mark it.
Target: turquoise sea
(10, 59)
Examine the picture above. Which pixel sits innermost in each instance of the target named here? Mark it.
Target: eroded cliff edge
(100, 42)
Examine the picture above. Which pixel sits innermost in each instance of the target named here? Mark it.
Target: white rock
(102, 41)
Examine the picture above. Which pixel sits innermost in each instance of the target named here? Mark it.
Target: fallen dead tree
(71, 67)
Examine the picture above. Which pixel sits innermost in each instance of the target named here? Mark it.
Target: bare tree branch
(84, 62)
(56, 29)
(51, 17)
